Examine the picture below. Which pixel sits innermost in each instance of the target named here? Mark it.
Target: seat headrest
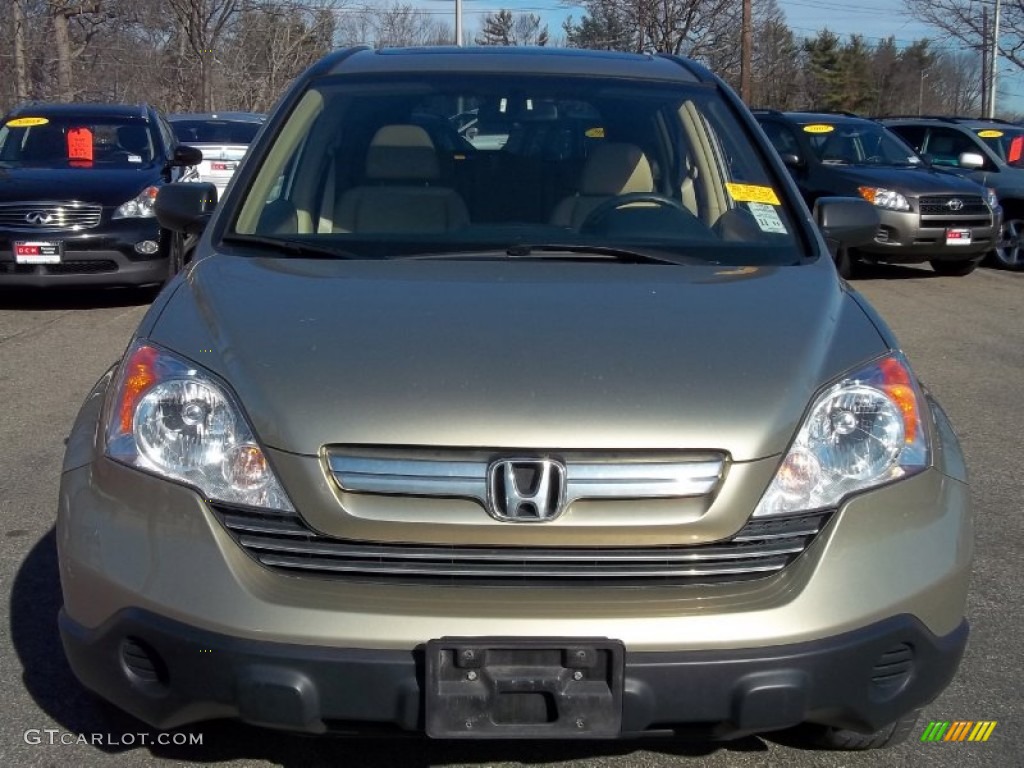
(616, 169)
(402, 152)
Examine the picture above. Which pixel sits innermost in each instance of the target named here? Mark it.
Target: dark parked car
(422, 441)
(77, 186)
(928, 215)
(989, 151)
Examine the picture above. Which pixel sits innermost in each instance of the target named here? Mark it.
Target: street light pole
(458, 22)
(920, 92)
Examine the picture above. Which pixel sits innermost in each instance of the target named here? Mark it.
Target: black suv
(77, 185)
(989, 151)
(927, 214)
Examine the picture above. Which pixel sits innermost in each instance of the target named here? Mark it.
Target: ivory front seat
(613, 168)
(401, 166)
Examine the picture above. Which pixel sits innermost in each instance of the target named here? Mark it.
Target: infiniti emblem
(525, 490)
(39, 218)
(955, 204)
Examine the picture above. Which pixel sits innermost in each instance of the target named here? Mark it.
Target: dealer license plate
(38, 251)
(958, 237)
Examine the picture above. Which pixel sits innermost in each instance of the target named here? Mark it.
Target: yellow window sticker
(27, 122)
(990, 134)
(819, 128)
(595, 133)
(752, 193)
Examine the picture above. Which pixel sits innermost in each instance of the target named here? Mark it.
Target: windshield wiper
(289, 248)
(619, 254)
(528, 250)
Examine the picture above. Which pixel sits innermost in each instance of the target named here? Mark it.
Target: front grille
(961, 223)
(48, 216)
(893, 669)
(971, 205)
(284, 543)
(64, 268)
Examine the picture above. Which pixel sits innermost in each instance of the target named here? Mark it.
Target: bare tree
(507, 28)
(402, 24)
(204, 24)
(962, 20)
(20, 61)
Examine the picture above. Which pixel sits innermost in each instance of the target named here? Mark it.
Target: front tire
(844, 263)
(954, 268)
(1009, 251)
(842, 739)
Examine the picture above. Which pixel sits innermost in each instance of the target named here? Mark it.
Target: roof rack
(948, 118)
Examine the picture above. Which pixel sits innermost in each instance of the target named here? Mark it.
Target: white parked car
(223, 138)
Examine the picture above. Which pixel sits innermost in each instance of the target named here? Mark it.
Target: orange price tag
(79, 144)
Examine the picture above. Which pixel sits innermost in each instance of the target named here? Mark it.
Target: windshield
(69, 142)
(214, 131)
(1007, 143)
(861, 143)
(444, 163)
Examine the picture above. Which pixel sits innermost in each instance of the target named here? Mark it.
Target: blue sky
(874, 19)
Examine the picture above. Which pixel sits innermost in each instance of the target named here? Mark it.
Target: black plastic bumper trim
(841, 681)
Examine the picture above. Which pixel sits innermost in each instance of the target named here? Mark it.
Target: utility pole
(984, 62)
(20, 62)
(994, 66)
(458, 22)
(746, 52)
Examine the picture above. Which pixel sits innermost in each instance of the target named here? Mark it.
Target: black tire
(954, 268)
(175, 255)
(841, 739)
(1009, 252)
(845, 263)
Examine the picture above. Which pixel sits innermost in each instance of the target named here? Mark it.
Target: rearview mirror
(845, 221)
(185, 155)
(791, 160)
(185, 206)
(972, 160)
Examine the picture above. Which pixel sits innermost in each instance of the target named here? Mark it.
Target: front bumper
(102, 256)
(168, 674)
(905, 237)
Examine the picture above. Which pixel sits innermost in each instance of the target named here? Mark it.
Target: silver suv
(577, 437)
(988, 151)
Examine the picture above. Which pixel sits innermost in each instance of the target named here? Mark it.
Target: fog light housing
(147, 247)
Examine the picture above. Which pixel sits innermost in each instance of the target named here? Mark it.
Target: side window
(912, 134)
(945, 145)
(782, 138)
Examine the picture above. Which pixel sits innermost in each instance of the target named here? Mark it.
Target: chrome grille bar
(468, 478)
(287, 545)
(49, 215)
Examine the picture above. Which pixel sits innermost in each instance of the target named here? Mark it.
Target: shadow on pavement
(35, 600)
(865, 271)
(48, 299)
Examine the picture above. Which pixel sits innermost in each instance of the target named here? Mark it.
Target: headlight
(861, 432)
(140, 206)
(173, 419)
(991, 198)
(884, 198)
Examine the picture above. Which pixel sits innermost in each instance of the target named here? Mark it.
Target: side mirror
(791, 160)
(844, 221)
(971, 160)
(185, 206)
(185, 155)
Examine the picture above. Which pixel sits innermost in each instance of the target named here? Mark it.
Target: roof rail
(948, 118)
(767, 111)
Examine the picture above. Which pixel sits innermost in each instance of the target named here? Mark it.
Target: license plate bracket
(957, 236)
(38, 251)
(524, 688)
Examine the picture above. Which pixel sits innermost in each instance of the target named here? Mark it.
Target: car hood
(909, 181)
(108, 187)
(524, 354)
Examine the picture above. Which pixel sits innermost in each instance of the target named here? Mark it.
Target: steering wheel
(609, 206)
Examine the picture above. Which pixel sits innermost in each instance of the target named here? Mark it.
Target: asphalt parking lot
(965, 336)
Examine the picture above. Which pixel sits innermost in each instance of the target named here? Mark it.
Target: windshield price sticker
(36, 252)
(990, 134)
(752, 193)
(767, 218)
(819, 128)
